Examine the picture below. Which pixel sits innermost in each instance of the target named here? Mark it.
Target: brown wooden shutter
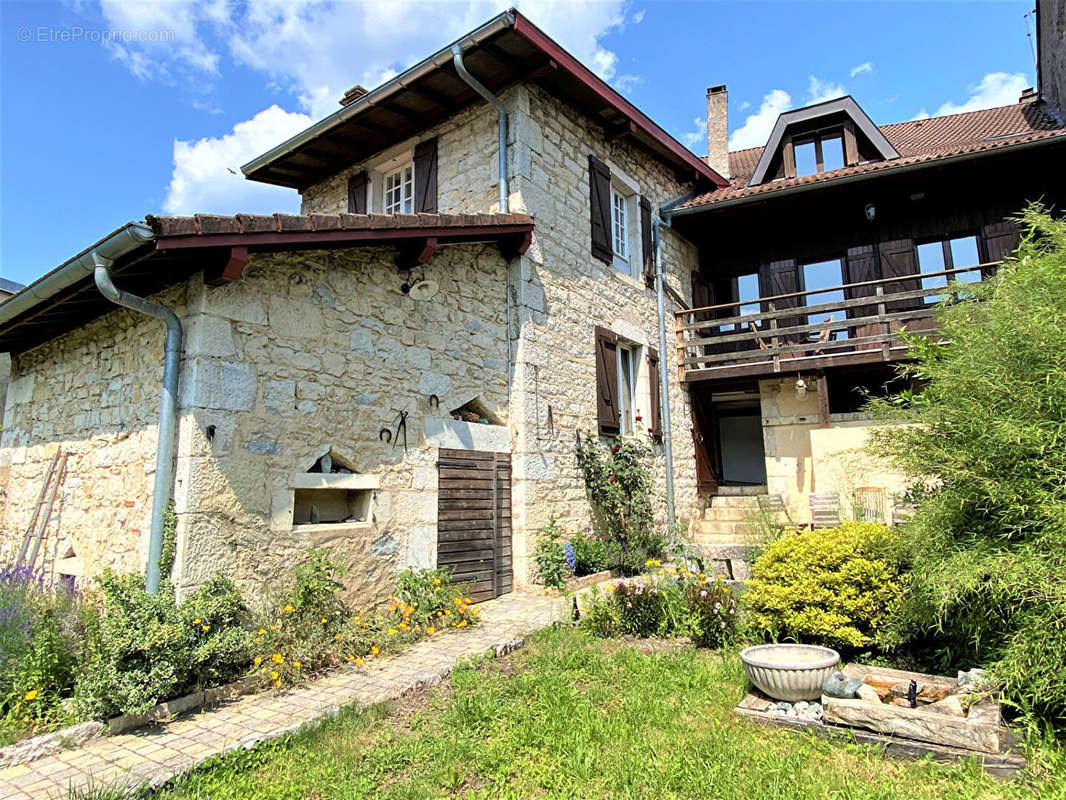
(606, 381)
(357, 193)
(655, 419)
(860, 266)
(898, 259)
(600, 209)
(425, 200)
(646, 244)
(783, 277)
(999, 240)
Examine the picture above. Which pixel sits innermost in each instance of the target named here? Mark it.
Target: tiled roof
(916, 141)
(207, 225)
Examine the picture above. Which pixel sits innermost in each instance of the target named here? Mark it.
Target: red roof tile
(916, 141)
(212, 224)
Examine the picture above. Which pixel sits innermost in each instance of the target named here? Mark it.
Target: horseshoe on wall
(434, 401)
(385, 435)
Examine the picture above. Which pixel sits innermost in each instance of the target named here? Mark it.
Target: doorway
(740, 444)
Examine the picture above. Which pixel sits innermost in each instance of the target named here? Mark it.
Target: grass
(579, 718)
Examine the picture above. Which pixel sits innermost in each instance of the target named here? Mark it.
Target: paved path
(154, 755)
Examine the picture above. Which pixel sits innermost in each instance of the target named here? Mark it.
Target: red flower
(610, 479)
(617, 448)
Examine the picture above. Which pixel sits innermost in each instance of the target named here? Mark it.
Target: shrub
(835, 586)
(714, 613)
(592, 555)
(39, 628)
(144, 649)
(987, 540)
(550, 554)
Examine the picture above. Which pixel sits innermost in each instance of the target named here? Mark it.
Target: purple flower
(569, 550)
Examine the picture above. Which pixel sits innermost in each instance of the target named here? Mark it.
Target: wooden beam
(621, 129)
(416, 253)
(823, 400)
(231, 271)
(513, 246)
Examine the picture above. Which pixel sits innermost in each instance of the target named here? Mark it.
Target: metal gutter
(383, 92)
(168, 407)
(501, 118)
(116, 244)
(657, 224)
(847, 179)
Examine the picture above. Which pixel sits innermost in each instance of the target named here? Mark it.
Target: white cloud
(859, 69)
(696, 140)
(165, 37)
(625, 83)
(994, 89)
(818, 91)
(207, 176)
(638, 17)
(756, 128)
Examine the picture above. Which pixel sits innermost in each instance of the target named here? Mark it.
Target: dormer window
(821, 152)
(820, 138)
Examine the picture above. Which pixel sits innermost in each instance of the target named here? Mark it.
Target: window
(398, 191)
(823, 275)
(620, 226)
(627, 388)
(819, 153)
(948, 254)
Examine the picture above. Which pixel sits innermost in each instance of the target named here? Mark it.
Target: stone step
(719, 540)
(709, 528)
(741, 491)
(733, 514)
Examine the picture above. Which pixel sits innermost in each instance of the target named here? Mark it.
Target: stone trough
(947, 723)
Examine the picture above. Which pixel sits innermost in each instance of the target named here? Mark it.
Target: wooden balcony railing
(789, 333)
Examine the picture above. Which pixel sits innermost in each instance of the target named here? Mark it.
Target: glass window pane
(625, 390)
(823, 274)
(964, 254)
(832, 153)
(806, 162)
(931, 259)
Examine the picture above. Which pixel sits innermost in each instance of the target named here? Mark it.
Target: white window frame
(405, 184)
(620, 226)
(627, 389)
(625, 190)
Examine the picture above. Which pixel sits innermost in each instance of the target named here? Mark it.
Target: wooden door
(703, 435)
(474, 520)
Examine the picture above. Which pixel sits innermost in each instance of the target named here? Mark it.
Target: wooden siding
(474, 520)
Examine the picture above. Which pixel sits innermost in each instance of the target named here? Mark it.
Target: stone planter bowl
(790, 672)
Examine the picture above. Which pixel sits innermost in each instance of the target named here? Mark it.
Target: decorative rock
(914, 723)
(868, 693)
(949, 705)
(839, 685)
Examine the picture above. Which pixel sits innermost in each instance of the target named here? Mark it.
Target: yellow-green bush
(836, 587)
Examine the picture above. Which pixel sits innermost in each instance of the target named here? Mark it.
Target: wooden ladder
(45, 501)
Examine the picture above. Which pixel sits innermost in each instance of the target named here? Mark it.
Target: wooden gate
(474, 519)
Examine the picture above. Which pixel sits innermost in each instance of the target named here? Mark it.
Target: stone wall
(94, 394)
(314, 353)
(1052, 36)
(558, 293)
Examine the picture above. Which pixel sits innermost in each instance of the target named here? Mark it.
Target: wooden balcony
(798, 332)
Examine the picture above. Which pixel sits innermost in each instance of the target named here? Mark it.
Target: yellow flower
(374, 650)
(336, 637)
(196, 621)
(468, 601)
(273, 627)
(440, 613)
(461, 624)
(447, 613)
(277, 658)
(473, 611)
(274, 675)
(392, 631)
(648, 563)
(358, 662)
(357, 620)
(277, 684)
(206, 627)
(31, 695)
(436, 581)
(458, 600)
(261, 631)
(288, 608)
(323, 620)
(431, 630)
(297, 664)
(257, 660)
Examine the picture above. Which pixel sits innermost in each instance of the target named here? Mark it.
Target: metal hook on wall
(434, 401)
(385, 435)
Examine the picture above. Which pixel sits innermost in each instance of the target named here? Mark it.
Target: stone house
(399, 372)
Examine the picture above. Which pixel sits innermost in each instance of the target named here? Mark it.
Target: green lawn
(578, 718)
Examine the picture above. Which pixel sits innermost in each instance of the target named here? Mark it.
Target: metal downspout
(501, 123)
(664, 373)
(164, 458)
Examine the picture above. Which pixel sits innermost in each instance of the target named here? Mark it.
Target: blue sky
(97, 130)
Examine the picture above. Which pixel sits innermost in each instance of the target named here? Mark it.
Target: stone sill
(314, 480)
(325, 531)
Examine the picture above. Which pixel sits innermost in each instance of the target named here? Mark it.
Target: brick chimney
(352, 95)
(718, 130)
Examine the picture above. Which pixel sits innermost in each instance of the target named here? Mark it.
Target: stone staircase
(730, 526)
